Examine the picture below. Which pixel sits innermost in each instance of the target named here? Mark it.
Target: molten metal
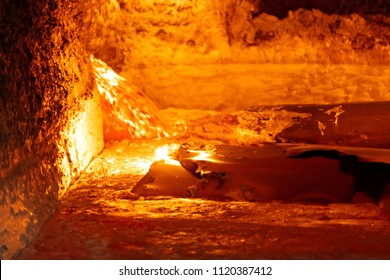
(127, 112)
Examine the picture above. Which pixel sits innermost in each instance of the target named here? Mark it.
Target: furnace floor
(99, 218)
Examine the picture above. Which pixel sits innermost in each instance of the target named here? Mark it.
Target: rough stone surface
(280, 8)
(225, 54)
(45, 82)
(99, 218)
(138, 34)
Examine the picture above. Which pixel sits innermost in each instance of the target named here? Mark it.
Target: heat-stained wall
(50, 118)
(230, 54)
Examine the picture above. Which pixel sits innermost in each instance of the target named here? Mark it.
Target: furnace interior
(70, 163)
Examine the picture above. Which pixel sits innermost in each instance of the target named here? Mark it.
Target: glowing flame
(127, 112)
(164, 153)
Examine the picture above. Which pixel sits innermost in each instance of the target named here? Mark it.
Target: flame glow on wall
(127, 112)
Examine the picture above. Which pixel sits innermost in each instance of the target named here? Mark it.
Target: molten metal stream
(127, 112)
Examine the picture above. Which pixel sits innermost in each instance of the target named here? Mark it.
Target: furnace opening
(193, 129)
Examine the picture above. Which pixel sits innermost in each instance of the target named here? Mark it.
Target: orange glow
(337, 111)
(177, 2)
(204, 156)
(142, 165)
(165, 152)
(122, 157)
(162, 152)
(127, 112)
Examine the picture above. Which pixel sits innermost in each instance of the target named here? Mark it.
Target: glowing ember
(127, 112)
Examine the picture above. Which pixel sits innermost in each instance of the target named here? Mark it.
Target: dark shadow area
(370, 177)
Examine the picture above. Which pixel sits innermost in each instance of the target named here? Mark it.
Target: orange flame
(127, 112)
